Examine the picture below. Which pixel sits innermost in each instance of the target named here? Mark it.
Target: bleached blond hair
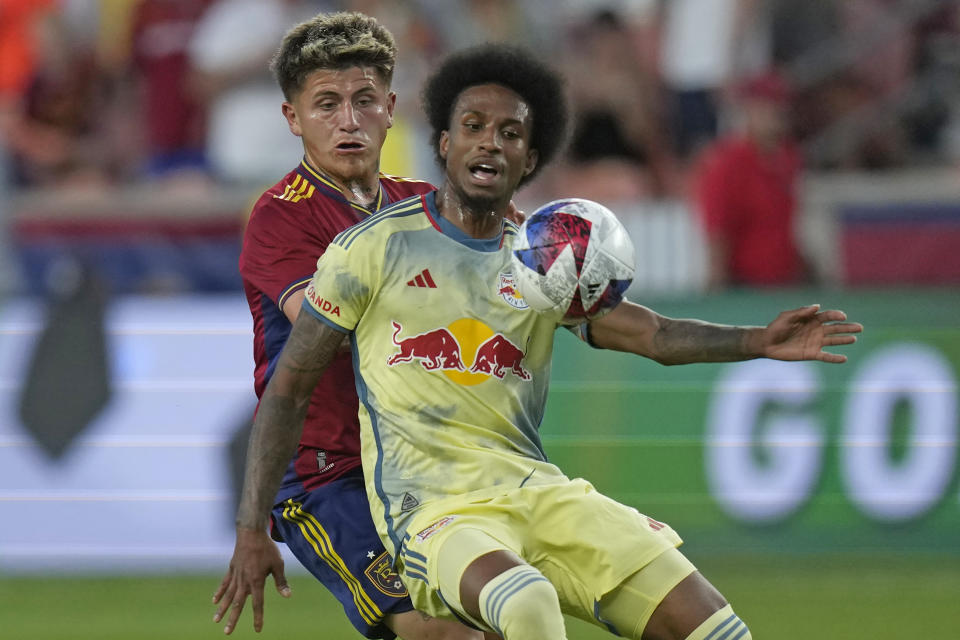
(333, 41)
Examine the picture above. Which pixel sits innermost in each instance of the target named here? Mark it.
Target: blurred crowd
(98, 92)
(672, 98)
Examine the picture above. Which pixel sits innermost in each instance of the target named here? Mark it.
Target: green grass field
(780, 597)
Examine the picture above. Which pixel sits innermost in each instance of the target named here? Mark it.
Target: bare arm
(293, 304)
(276, 431)
(799, 334)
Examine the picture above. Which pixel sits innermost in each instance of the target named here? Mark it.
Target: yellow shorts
(585, 543)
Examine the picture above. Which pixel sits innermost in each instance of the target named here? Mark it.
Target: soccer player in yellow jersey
(452, 376)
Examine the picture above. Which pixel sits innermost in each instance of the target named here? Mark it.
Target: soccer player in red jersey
(335, 72)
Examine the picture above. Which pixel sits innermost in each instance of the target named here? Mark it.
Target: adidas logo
(409, 502)
(423, 279)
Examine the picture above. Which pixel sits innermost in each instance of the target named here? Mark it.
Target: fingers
(833, 358)
(221, 589)
(831, 315)
(257, 597)
(232, 597)
(833, 341)
(223, 597)
(843, 327)
(807, 312)
(236, 609)
(281, 581)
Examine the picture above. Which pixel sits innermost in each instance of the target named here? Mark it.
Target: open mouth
(484, 171)
(350, 146)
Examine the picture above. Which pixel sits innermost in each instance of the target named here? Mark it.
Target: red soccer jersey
(290, 227)
(749, 199)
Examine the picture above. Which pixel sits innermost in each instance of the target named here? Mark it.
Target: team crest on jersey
(433, 528)
(507, 289)
(384, 578)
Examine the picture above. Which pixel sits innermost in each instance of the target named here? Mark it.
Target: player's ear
(444, 144)
(391, 105)
(532, 157)
(291, 115)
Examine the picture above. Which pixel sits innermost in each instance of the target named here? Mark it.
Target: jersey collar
(329, 188)
(453, 232)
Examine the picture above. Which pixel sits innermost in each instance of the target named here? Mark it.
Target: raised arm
(276, 431)
(798, 334)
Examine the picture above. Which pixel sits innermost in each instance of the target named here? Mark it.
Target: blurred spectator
(746, 192)
(20, 21)
(940, 60)
(173, 119)
(52, 108)
(20, 25)
(796, 27)
(247, 137)
(706, 46)
(878, 74)
(936, 67)
(858, 81)
(463, 23)
(619, 120)
(407, 150)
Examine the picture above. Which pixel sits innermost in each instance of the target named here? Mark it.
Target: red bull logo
(507, 289)
(434, 349)
(448, 350)
(497, 356)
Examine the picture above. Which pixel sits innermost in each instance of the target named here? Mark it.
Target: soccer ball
(572, 259)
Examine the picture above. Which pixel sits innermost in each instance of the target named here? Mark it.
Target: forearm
(636, 329)
(310, 348)
(683, 341)
(273, 441)
(798, 334)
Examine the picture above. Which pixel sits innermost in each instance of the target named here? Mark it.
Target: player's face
(343, 116)
(487, 148)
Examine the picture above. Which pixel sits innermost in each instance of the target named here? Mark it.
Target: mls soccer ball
(572, 259)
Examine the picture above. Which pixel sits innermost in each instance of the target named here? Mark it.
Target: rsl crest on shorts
(380, 572)
(451, 363)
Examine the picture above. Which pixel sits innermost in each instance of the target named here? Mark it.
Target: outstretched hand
(802, 334)
(255, 556)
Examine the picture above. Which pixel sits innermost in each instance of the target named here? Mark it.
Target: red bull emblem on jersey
(507, 289)
(497, 356)
(434, 349)
(467, 351)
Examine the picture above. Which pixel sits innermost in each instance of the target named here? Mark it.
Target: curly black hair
(513, 67)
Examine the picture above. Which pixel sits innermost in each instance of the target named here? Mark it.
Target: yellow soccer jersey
(452, 366)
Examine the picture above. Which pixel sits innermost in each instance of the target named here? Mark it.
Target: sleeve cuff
(324, 319)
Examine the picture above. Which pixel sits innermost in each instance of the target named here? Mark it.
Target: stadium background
(821, 500)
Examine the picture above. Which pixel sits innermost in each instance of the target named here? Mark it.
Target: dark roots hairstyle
(516, 68)
(333, 41)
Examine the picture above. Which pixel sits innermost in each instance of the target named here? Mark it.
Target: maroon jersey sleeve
(279, 252)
